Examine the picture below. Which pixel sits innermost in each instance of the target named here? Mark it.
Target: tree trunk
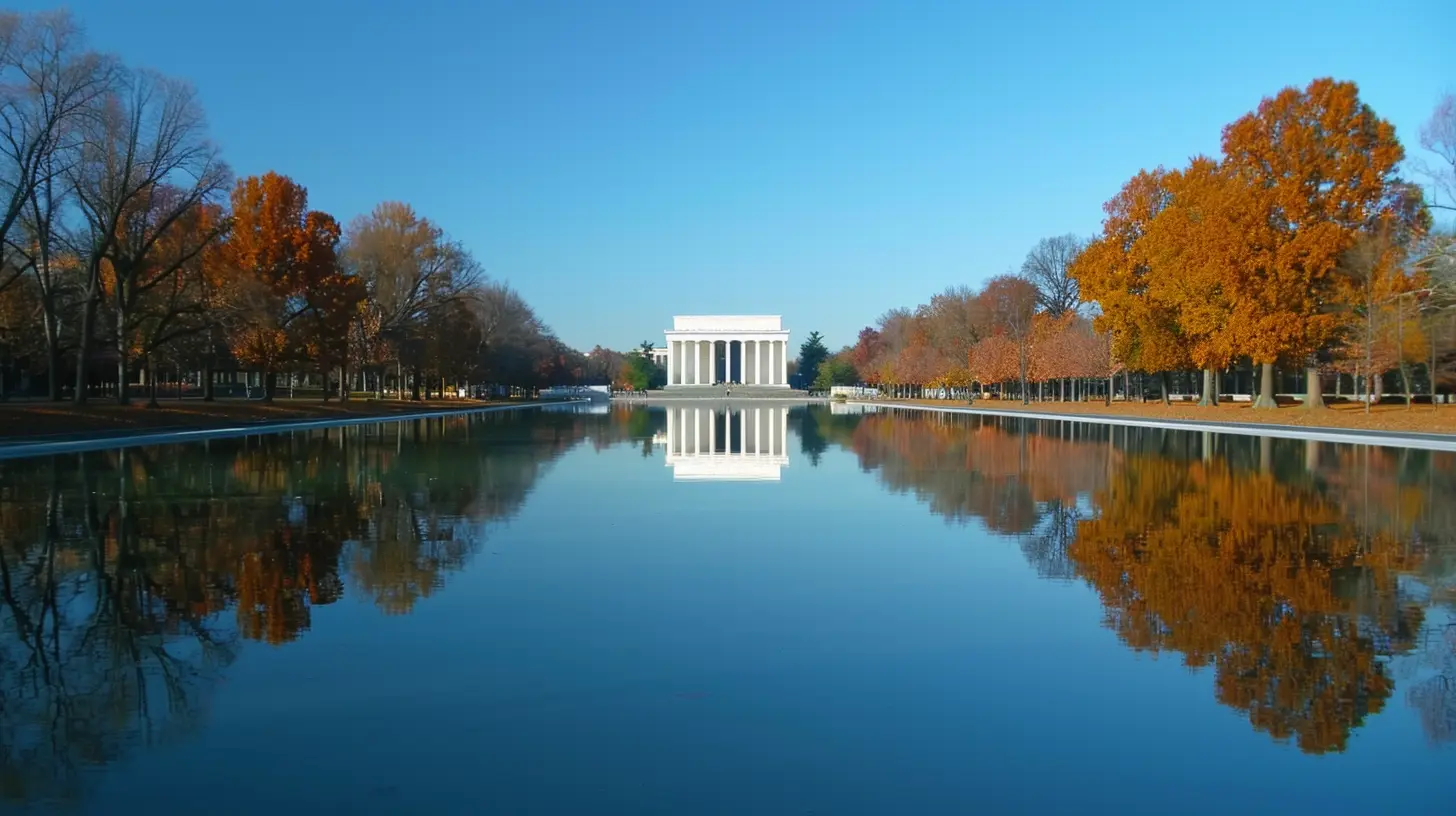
(151, 384)
(123, 374)
(83, 345)
(1266, 387)
(1431, 372)
(1163, 387)
(1406, 380)
(1110, 386)
(343, 382)
(270, 384)
(209, 391)
(1208, 398)
(1314, 396)
(53, 361)
(1025, 397)
(415, 384)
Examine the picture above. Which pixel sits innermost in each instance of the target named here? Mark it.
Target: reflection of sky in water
(527, 615)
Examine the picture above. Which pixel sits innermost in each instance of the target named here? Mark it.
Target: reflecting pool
(729, 608)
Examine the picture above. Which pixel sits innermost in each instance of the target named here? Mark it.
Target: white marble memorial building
(712, 349)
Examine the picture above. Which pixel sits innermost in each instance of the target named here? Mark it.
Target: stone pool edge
(23, 450)
(1349, 436)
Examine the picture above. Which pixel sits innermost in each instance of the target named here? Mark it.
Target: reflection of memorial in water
(727, 442)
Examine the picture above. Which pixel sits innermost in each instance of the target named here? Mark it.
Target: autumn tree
(281, 251)
(1118, 270)
(955, 319)
(993, 359)
(1381, 330)
(410, 270)
(1048, 266)
(166, 298)
(1195, 250)
(1011, 302)
(1317, 165)
(865, 349)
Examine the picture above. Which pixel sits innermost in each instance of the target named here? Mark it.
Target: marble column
(671, 363)
(783, 362)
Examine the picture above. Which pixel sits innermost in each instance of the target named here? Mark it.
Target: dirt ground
(31, 420)
(1395, 418)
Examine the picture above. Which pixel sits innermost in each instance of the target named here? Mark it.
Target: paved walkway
(1349, 436)
(21, 448)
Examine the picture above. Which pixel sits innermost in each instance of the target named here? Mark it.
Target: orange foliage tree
(1118, 270)
(1317, 166)
(289, 284)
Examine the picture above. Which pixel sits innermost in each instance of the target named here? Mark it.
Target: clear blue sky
(620, 162)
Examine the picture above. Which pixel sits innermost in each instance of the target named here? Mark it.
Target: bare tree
(510, 334)
(1437, 258)
(47, 81)
(141, 141)
(1046, 267)
(1438, 135)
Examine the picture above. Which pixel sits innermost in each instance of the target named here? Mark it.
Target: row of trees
(1300, 247)
(124, 239)
(1017, 327)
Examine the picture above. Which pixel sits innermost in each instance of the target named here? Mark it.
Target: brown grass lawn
(22, 420)
(1396, 418)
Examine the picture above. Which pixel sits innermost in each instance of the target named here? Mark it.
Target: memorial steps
(733, 392)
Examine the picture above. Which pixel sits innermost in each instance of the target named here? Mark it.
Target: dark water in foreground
(835, 614)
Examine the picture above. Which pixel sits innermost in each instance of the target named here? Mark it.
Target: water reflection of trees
(130, 578)
(1298, 572)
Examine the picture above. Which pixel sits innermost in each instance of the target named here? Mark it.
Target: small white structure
(740, 444)
(854, 391)
(711, 349)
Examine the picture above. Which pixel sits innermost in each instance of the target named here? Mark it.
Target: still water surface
(710, 611)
